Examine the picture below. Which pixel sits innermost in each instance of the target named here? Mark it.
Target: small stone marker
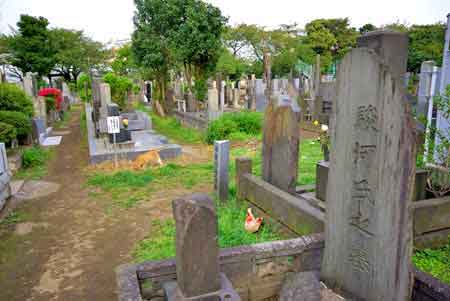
(303, 286)
(221, 175)
(368, 232)
(281, 146)
(197, 259)
(5, 177)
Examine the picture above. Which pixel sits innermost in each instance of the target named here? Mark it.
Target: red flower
(56, 93)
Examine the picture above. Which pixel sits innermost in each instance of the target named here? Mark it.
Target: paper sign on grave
(113, 124)
(368, 232)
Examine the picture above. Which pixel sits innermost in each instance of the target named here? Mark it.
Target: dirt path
(69, 245)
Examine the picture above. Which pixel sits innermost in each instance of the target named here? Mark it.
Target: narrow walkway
(69, 245)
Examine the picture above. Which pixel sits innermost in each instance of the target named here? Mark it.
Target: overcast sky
(107, 20)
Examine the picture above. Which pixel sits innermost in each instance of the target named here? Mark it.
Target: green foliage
(81, 87)
(367, 28)
(434, 262)
(50, 104)
(172, 129)
(124, 63)
(426, 42)
(200, 89)
(31, 47)
(230, 65)
(7, 133)
(12, 98)
(231, 215)
(19, 121)
(121, 179)
(331, 38)
(13, 218)
(242, 124)
(75, 52)
(35, 156)
(120, 85)
(442, 148)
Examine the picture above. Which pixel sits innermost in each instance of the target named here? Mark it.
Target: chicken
(252, 224)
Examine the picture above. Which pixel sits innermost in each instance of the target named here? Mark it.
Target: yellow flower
(316, 122)
(125, 122)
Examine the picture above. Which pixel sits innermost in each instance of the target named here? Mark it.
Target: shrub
(12, 98)
(34, 156)
(19, 121)
(50, 104)
(7, 133)
(120, 85)
(234, 125)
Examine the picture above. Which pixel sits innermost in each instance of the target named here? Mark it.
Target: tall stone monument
(368, 232)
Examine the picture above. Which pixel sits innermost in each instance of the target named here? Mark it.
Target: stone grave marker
(105, 99)
(221, 174)
(260, 95)
(197, 259)
(281, 145)
(368, 232)
(5, 177)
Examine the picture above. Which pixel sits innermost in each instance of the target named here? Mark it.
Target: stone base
(173, 293)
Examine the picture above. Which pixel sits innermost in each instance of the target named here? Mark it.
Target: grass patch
(14, 218)
(121, 180)
(172, 129)
(161, 244)
(310, 154)
(35, 163)
(434, 262)
(64, 121)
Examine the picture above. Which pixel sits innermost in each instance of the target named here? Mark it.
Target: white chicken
(252, 224)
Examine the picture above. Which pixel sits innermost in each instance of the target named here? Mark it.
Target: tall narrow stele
(368, 236)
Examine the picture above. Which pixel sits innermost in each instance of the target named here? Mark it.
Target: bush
(19, 121)
(234, 126)
(12, 98)
(120, 85)
(7, 133)
(35, 156)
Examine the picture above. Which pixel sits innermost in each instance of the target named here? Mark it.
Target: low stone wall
(256, 271)
(305, 214)
(192, 120)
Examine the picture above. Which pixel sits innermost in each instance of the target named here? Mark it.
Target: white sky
(107, 20)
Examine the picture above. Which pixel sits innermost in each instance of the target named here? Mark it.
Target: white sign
(113, 125)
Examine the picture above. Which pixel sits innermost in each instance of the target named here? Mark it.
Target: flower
(125, 122)
(324, 128)
(316, 123)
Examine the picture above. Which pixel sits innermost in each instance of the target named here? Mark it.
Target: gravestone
(443, 121)
(105, 99)
(281, 145)
(424, 93)
(221, 175)
(368, 232)
(260, 95)
(236, 98)
(28, 85)
(5, 177)
(197, 258)
(39, 130)
(391, 47)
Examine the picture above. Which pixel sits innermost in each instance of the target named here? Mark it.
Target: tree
(367, 28)
(331, 38)
(426, 42)
(230, 65)
(154, 21)
(123, 63)
(74, 53)
(31, 49)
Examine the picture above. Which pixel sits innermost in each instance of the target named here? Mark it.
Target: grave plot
(133, 138)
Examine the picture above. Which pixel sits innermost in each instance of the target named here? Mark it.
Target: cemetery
(239, 162)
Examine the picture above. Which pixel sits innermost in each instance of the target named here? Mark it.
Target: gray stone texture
(370, 184)
(197, 246)
(221, 172)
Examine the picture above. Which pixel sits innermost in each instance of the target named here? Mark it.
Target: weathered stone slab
(431, 215)
(197, 246)
(301, 287)
(5, 177)
(221, 173)
(281, 147)
(370, 186)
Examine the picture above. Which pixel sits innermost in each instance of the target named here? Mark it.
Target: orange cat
(150, 158)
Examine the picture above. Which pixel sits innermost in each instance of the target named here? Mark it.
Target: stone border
(246, 266)
(243, 266)
(190, 120)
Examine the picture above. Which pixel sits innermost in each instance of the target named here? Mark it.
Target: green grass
(434, 262)
(172, 129)
(128, 188)
(14, 218)
(161, 245)
(65, 120)
(310, 154)
(35, 163)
